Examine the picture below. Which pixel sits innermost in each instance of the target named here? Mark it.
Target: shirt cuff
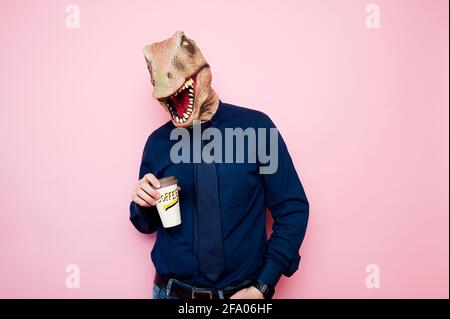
(144, 219)
(135, 210)
(271, 273)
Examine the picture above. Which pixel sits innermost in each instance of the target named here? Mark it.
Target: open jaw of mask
(181, 103)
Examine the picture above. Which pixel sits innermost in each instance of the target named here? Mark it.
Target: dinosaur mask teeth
(181, 103)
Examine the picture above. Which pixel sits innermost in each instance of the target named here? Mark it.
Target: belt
(184, 292)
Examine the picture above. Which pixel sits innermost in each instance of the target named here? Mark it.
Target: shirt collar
(216, 117)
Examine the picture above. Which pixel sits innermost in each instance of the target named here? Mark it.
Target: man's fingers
(150, 191)
(152, 180)
(143, 195)
(139, 200)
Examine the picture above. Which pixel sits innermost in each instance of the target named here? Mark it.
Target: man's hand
(248, 293)
(145, 194)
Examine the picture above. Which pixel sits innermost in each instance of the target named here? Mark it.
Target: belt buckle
(202, 292)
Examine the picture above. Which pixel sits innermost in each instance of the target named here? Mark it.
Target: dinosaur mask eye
(184, 41)
(186, 44)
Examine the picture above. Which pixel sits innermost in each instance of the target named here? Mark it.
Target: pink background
(364, 113)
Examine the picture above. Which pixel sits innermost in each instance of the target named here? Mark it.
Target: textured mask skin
(181, 79)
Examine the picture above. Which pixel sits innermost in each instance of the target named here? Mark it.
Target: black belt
(182, 292)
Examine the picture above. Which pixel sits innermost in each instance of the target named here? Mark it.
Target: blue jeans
(160, 293)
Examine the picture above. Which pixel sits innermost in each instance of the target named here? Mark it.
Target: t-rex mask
(181, 80)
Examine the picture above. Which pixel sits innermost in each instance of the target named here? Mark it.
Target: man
(220, 250)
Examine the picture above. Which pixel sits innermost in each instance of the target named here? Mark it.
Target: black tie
(210, 241)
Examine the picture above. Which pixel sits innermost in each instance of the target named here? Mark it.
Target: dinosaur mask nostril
(169, 75)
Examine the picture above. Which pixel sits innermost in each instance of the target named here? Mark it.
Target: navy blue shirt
(244, 196)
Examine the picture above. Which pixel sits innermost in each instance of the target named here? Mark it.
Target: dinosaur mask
(181, 80)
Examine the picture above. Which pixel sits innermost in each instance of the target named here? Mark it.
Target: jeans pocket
(159, 293)
(156, 292)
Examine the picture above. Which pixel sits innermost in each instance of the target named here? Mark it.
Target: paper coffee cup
(168, 205)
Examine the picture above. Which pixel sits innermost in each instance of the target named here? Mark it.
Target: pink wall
(364, 112)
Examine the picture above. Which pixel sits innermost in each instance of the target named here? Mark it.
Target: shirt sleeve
(144, 219)
(289, 207)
